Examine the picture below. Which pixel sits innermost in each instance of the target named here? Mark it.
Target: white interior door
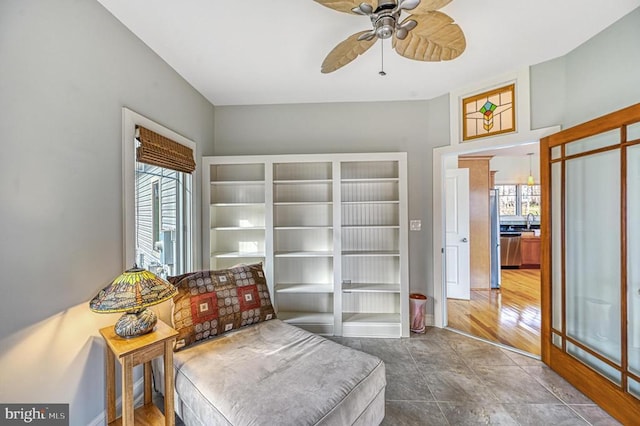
(457, 250)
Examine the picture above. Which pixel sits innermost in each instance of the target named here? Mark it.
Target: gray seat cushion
(273, 373)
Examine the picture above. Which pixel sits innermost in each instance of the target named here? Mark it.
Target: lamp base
(133, 324)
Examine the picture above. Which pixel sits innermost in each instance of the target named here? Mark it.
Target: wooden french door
(590, 177)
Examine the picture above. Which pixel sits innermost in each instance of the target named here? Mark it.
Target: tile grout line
(415, 364)
(428, 386)
(558, 396)
(470, 367)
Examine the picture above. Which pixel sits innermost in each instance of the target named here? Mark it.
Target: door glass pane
(633, 256)
(600, 140)
(634, 388)
(556, 241)
(556, 152)
(633, 132)
(603, 368)
(557, 340)
(592, 226)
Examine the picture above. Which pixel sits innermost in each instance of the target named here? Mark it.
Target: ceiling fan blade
(435, 38)
(346, 52)
(346, 6)
(426, 6)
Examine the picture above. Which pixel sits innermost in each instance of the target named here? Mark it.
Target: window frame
(130, 120)
(519, 197)
(156, 215)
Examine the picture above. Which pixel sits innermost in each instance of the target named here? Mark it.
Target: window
(158, 218)
(519, 200)
(508, 199)
(529, 200)
(158, 199)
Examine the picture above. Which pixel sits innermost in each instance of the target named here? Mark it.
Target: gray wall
(598, 77)
(413, 126)
(67, 68)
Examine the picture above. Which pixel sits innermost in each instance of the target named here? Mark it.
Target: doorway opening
(508, 315)
(502, 301)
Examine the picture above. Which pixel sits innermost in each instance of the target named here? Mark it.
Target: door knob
(464, 240)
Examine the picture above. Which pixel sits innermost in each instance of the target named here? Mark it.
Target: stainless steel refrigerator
(494, 219)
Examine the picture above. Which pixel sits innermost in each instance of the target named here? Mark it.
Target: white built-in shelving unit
(236, 212)
(331, 230)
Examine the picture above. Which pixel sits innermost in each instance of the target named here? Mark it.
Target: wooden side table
(132, 352)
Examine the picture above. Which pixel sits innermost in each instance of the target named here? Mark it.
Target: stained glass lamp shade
(132, 292)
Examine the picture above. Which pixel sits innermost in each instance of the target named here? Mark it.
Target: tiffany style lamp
(131, 293)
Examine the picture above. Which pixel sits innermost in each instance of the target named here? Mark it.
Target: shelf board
(301, 227)
(372, 253)
(302, 203)
(237, 182)
(371, 180)
(371, 202)
(306, 317)
(238, 228)
(304, 254)
(237, 204)
(370, 226)
(304, 288)
(301, 181)
(371, 288)
(370, 318)
(236, 254)
(147, 414)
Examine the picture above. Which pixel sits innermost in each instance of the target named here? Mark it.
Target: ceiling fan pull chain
(382, 73)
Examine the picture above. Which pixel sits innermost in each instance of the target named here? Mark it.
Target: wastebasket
(417, 305)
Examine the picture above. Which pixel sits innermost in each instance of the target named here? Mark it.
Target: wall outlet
(415, 225)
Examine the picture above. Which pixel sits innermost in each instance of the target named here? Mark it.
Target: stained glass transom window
(489, 113)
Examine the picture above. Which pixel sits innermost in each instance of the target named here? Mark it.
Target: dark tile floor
(445, 378)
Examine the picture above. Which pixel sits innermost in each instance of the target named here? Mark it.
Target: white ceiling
(269, 52)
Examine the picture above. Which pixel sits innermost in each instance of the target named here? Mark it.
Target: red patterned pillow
(210, 303)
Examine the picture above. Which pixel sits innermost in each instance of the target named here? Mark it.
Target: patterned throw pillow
(210, 303)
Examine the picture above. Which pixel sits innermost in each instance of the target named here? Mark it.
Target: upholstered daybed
(267, 372)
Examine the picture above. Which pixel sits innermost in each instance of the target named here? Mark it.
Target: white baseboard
(429, 320)
(138, 392)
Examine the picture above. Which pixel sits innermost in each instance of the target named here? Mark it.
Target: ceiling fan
(425, 35)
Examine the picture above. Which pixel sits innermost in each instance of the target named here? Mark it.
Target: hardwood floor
(509, 315)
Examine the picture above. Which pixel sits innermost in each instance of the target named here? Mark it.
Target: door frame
(447, 157)
(603, 392)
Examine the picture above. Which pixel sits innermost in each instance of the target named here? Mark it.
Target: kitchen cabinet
(529, 250)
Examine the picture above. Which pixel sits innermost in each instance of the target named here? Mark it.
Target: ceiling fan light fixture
(425, 35)
(385, 27)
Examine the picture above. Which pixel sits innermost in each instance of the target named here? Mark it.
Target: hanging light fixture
(530, 180)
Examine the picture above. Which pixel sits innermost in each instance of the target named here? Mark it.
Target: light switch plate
(415, 225)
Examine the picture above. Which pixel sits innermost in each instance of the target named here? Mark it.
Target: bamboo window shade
(158, 150)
